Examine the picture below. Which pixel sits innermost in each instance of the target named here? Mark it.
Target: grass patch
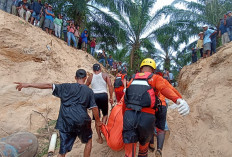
(44, 140)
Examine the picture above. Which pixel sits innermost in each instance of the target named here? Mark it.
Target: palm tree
(134, 19)
(202, 12)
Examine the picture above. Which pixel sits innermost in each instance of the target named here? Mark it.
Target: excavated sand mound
(207, 130)
(25, 56)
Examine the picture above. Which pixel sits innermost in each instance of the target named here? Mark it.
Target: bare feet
(99, 140)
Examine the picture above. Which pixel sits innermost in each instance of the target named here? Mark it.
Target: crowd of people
(144, 116)
(42, 15)
(207, 41)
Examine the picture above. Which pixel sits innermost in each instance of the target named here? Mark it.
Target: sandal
(158, 153)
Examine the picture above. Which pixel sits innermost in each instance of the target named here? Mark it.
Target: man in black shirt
(24, 9)
(73, 119)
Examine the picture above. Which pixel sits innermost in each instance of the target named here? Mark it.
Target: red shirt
(93, 44)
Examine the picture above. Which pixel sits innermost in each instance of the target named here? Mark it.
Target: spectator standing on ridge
(102, 57)
(171, 77)
(200, 43)
(110, 61)
(42, 15)
(92, 46)
(120, 66)
(228, 23)
(213, 42)
(36, 7)
(71, 30)
(24, 8)
(73, 119)
(49, 18)
(84, 36)
(77, 33)
(208, 33)
(124, 68)
(114, 68)
(65, 24)
(58, 24)
(194, 55)
(166, 75)
(14, 7)
(223, 33)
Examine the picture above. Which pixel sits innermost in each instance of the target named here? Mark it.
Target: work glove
(124, 90)
(183, 107)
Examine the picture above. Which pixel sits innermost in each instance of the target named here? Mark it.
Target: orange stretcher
(113, 130)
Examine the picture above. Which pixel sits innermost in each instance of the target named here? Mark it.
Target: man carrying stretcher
(139, 106)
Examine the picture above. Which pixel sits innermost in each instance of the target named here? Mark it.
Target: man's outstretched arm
(20, 85)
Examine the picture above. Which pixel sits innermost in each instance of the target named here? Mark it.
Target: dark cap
(96, 67)
(81, 73)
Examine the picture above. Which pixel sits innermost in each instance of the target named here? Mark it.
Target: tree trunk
(132, 57)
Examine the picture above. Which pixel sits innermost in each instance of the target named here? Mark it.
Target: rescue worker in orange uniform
(141, 105)
(161, 120)
(120, 85)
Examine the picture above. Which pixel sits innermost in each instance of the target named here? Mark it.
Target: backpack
(119, 81)
(140, 94)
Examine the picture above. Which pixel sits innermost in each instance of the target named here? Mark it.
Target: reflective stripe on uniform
(140, 82)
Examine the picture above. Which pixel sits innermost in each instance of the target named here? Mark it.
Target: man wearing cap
(73, 120)
(99, 82)
(49, 18)
(208, 33)
(228, 23)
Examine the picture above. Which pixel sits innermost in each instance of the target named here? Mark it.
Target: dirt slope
(207, 131)
(24, 56)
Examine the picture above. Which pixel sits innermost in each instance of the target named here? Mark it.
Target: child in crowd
(200, 43)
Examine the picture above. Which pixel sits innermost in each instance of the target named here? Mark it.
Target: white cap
(205, 26)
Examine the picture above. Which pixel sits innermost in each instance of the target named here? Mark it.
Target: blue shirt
(222, 28)
(15, 2)
(110, 61)
(49, 16)
(207, 33)
(83, 36)
(36, 7)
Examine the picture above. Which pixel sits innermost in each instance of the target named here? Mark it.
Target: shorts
(36, 16)
(49, 24)
(101, 100)
(138, 127)
(207, 47)
(161, 117)
(84, 45)
(67, 139)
